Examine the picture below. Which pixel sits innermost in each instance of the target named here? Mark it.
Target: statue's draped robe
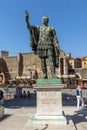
(44, 46)
(34, 37)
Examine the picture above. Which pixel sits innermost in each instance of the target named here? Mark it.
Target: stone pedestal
(1, 112)
(49, 105)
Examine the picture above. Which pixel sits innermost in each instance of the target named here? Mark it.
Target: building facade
(70, 69)
(84, 62)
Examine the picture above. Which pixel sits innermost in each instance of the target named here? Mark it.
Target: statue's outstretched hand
(26, 15)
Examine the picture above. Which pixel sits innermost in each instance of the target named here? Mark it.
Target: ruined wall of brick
(19, 65)
(12, 67)
(31, 61)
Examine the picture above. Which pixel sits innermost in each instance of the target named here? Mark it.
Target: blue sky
(68, 17)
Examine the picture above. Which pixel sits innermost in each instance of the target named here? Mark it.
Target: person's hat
(79, 84)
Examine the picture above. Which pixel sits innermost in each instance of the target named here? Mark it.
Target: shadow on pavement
(80, 116)
(46, 126)
(5, 117)
(68, 99)
(20, 102)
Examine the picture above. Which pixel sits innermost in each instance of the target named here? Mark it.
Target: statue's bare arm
(27, 20)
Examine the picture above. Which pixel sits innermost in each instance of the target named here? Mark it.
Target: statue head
(45, 20)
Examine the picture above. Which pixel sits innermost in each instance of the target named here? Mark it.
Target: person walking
(79, 96)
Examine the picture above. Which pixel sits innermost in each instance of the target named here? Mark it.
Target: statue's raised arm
(33, 32)
(27, 19)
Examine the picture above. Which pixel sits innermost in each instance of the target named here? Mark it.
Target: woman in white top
(79, 96)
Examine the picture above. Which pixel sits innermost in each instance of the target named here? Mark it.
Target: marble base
(48, 119)
(49, 105)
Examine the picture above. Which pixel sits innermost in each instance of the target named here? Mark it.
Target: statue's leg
(44, 68)
(50, 58)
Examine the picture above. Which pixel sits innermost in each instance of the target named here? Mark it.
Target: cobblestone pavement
(18, 111)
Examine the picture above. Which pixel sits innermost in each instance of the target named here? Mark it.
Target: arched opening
(78, 78)
(2, 79)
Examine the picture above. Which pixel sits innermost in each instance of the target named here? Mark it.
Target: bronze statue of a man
(44, 43)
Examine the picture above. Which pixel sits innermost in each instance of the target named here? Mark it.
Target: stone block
(1, 111)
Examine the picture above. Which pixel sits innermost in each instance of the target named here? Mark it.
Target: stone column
(65, 66)
(18, 92)
(59, 67)
(20, 64)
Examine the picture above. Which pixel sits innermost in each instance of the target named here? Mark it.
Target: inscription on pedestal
(49, 103)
